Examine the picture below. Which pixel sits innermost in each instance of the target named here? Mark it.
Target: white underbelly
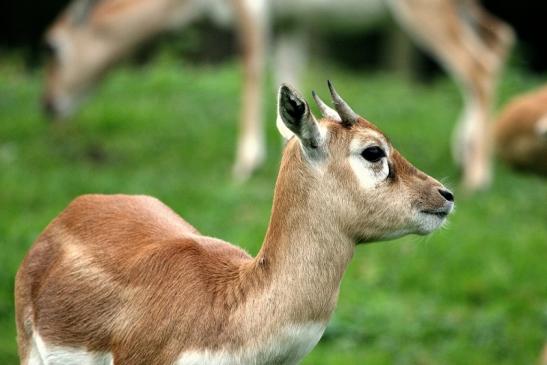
(349, 12)
(352, 14)
(45, 354)
(288, 347)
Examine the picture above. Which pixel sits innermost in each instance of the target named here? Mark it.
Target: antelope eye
(373, 154)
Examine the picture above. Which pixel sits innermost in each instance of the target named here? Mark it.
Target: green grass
(473, 293)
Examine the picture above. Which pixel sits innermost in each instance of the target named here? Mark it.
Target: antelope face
(388, 197)
(370, 190)
(77, 59)
(93, 35)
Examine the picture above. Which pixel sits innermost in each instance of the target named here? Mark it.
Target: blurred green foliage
(473, 293)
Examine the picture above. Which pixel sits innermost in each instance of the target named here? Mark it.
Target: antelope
(92, 36)
(88, 39)
(118, 279)
(520, 132)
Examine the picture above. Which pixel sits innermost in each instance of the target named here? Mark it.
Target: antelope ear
(294, 118)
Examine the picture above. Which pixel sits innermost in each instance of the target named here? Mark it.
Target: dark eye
(373, 154)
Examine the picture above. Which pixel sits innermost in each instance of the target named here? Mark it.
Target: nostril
(447, 195)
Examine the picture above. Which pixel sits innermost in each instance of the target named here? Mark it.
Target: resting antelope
(472, 45)
(124, 280)
(520, 133)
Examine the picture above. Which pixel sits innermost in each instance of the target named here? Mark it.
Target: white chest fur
(288, 346)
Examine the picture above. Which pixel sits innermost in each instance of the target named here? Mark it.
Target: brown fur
(126, 275)
(109, 269)
(517, 140)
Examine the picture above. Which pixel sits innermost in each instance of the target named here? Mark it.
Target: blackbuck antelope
(520, 133)
(119, 279)
(92, 35)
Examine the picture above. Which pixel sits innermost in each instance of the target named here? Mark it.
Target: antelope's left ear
(294, 118)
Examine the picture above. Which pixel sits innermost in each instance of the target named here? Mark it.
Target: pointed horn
(326, 111)
(348, 116)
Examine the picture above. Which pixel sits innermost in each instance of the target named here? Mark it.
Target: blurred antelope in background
(520, 132)
(118, 279)
(468, 41)
(92, 36)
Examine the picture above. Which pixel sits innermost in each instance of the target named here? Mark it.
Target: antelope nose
(447, 194)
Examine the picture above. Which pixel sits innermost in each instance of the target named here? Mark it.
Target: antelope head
(91, 36)
(76, 59)
(353, 175)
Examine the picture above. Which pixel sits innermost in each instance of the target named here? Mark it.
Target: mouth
(441, 213)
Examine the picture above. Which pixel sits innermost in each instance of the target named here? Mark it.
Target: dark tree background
(528, 19)
(23, 22)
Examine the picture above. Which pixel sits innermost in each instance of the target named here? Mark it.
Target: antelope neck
(305, 253)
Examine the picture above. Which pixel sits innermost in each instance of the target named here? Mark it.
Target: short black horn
(326, 111)
(348, 116)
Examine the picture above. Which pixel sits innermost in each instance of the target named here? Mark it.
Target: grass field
(473, 293)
